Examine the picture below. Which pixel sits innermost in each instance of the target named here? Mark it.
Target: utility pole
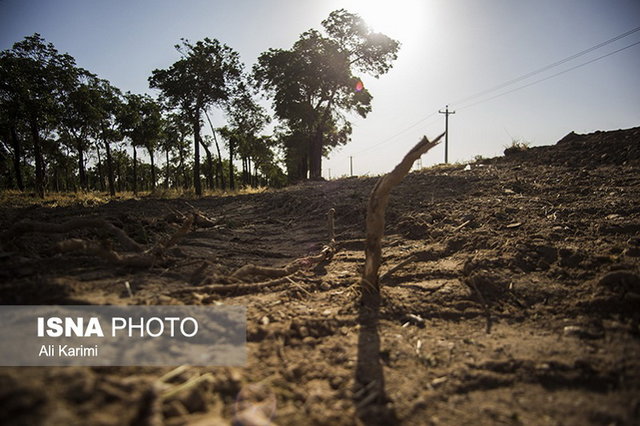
(446, 113)
(350, 166)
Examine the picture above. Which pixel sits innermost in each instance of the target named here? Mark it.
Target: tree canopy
(64, 128)
(204, 76)
(313, 84)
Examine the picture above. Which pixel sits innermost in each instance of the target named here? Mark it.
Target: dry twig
(378, 201)
(400, 265)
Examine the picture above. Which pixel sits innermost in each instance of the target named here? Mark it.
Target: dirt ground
(517, 299)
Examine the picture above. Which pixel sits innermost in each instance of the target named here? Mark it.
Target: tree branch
(375, 213)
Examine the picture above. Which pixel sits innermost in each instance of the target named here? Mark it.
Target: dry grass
(15, 198)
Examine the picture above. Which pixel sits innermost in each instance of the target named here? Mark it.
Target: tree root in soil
(27, 226)
(139, 259)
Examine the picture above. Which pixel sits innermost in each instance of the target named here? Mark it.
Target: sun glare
(403, 20)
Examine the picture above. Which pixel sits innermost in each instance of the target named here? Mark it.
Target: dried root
(138, 260)
(27, 226)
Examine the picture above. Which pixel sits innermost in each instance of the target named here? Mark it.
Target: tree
(175, 138)
(35, 81)
(203, 77)
(10, 111)
(247, 119)
(80, 118)
(313, 84)
(141, 121)
(107, 108)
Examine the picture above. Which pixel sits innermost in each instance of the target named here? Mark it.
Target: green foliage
(64, 129)
(205, 76)
(34, 81)
(312, 85)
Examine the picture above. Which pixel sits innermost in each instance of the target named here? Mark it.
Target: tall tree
(179, 130)
(313, 84)
(78, 119)
(107, 108)
(203, 77)
(246, 119)
(141, 121)
(37, 83)
(10, 111)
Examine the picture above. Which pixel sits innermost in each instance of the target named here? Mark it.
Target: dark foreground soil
(518, 303)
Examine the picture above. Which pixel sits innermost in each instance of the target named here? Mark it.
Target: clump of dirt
(511, 294)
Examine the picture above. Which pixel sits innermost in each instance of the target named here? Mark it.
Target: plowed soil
(517, 299)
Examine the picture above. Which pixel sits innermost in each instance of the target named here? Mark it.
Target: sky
(452, 50)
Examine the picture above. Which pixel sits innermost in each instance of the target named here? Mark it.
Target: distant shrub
(516, 146)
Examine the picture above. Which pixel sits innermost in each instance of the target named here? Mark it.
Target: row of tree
(64, 128)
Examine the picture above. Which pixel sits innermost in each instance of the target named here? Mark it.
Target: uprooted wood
(27, 226)
(252, 277)
(378, 201)
(399, 266)
(251, 271)
(240, 288)
(140, 258)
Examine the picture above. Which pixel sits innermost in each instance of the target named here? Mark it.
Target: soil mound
(618, 147)
(511, 295)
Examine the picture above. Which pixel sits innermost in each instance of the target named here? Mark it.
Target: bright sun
(403, 20)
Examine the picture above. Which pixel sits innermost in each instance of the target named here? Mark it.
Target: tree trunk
(196, 154)
(209, 171)
(166, 174)
(82, 175)
(185, 177)
(315, 156)
(17, 154)
(100, 171)
(222, 183)
(37, 150)
(246, 171)
(112, 185)
(135, 171)
(121, 178)
(232, 183)
(153, 170)
(82, 172)
(256, 182)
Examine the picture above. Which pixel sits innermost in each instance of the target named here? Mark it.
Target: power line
(518, 79)
(547, 67)
(390, 138)
(551, 76)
